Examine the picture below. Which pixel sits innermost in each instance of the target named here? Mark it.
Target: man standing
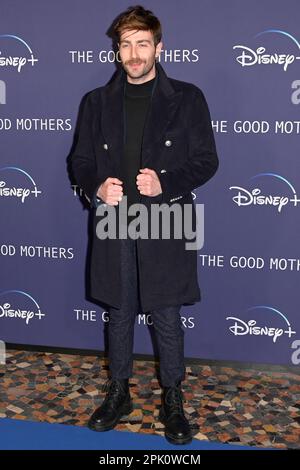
(147, 139)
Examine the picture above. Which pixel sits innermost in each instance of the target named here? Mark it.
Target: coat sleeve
(83, 159)
(202, 161)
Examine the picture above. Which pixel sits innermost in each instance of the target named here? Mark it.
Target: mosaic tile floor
(247, 407)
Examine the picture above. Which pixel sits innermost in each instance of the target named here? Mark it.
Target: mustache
(131, 62)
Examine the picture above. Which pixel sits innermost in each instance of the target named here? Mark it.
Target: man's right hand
(111, 191)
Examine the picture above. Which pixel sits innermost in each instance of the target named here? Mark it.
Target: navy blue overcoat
(178, 143)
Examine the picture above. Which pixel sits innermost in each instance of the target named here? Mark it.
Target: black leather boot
(116, 404)
(171, 414)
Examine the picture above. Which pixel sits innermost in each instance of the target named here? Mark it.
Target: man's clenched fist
(148, 182)
(111, 191)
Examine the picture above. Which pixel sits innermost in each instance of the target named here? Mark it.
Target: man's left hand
(148, 182)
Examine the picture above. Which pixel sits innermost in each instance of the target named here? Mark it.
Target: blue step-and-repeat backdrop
(245, 56)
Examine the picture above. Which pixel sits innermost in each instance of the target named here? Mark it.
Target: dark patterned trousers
(168, 329)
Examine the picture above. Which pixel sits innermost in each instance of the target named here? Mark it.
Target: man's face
(137, 53)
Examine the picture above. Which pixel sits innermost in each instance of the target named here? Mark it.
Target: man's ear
(158, 48)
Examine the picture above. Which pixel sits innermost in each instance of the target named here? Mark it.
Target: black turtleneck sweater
(137, 99)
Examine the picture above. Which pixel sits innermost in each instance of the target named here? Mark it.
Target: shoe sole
(125, 411)
(174, 440)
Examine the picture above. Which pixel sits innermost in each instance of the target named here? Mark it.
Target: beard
(140, 71)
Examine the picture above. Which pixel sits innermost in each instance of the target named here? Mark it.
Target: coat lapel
(163, 106)
(112, 118)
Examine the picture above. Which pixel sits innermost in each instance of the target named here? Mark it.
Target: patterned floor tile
(224, 404)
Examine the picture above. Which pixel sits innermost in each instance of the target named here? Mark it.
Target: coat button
(163, 171)
(168, 143)
(105, 146)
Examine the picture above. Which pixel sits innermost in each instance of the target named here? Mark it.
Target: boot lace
(114, 391)
(173, 398)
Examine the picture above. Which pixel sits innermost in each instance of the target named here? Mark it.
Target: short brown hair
(136, 17)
